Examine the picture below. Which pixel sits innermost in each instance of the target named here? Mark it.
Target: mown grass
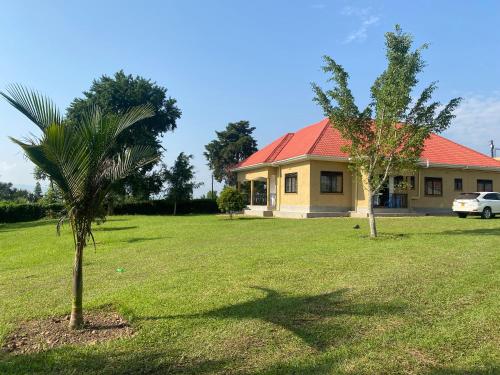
(265, 296)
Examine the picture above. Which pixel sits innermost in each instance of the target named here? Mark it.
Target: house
(306, 174)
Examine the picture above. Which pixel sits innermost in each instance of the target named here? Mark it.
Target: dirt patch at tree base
(38, 335)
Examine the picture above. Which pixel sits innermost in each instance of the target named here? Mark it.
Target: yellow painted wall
(417, 198)
(361, 195)
(294, 201)
(330, 201)
(255, 174)
(469, 178)
(308, 197)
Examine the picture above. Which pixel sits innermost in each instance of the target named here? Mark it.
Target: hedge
(164, 207)
(16, 212)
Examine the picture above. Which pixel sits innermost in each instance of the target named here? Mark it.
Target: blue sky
(243, 60)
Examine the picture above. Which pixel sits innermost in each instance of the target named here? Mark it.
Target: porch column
(268, 192)
(391, 184)
(251, 192)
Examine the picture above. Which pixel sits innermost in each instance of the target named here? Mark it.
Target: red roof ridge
(325, 127)
(279, 147)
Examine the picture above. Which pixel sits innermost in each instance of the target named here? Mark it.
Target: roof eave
(290, 160)
(427, 164)
(423, 163)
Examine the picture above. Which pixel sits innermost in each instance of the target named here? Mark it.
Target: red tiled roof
(323, 140)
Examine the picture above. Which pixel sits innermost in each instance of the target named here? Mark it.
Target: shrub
(231, 201)
(165, 207)
(17, 212)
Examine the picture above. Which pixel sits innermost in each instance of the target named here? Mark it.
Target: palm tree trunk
(371, 214)
(175, 207)
(76, 320)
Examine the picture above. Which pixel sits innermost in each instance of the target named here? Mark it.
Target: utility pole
(493, 149)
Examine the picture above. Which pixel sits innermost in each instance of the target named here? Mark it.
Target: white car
(485, 204)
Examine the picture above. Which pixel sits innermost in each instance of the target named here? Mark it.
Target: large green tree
(80, 157)
(388, 136)
(9, 193)
(38, 193)
(232, 145)
(115, 95)
(180, 180)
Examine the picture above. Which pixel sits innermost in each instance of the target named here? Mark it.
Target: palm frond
(133, 116)
(70, 154)
(38, 156)
(128, 161)
(35, 106)
(80, 156)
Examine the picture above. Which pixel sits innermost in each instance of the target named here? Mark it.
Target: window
(398, 182)
(492, 196)
(412, 182)
(331, 182)
(458, 184)
(484, 185)
(433, 186)
(291, 183)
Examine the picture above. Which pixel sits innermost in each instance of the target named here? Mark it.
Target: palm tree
(81, 159)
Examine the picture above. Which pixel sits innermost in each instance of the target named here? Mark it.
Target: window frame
(398, 182)
(461, 184)
(433, 180)
(483, 181)
(331, 174)
(412, 183)
(293, 176)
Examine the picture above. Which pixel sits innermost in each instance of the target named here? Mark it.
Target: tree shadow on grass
(490, 370)
(473, 232)
(67, 360)
(314, 319)
(112, 229)
(315, 365)
(10, 227)
(240, 218)
(143, 239)
(387, 236)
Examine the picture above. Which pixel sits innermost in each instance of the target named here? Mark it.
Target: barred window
(433, 186)
(484, 185)
(291, 183)
(331, 182)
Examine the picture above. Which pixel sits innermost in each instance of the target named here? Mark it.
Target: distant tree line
(8, 193)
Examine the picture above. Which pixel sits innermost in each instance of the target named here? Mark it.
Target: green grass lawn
(265, 296)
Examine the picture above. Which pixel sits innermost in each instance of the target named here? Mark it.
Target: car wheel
(487, 214)
(462, 215)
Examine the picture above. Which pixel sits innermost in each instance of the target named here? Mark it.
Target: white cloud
(367, 20)
(477, 122)
(6, 167)
(16, 169)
